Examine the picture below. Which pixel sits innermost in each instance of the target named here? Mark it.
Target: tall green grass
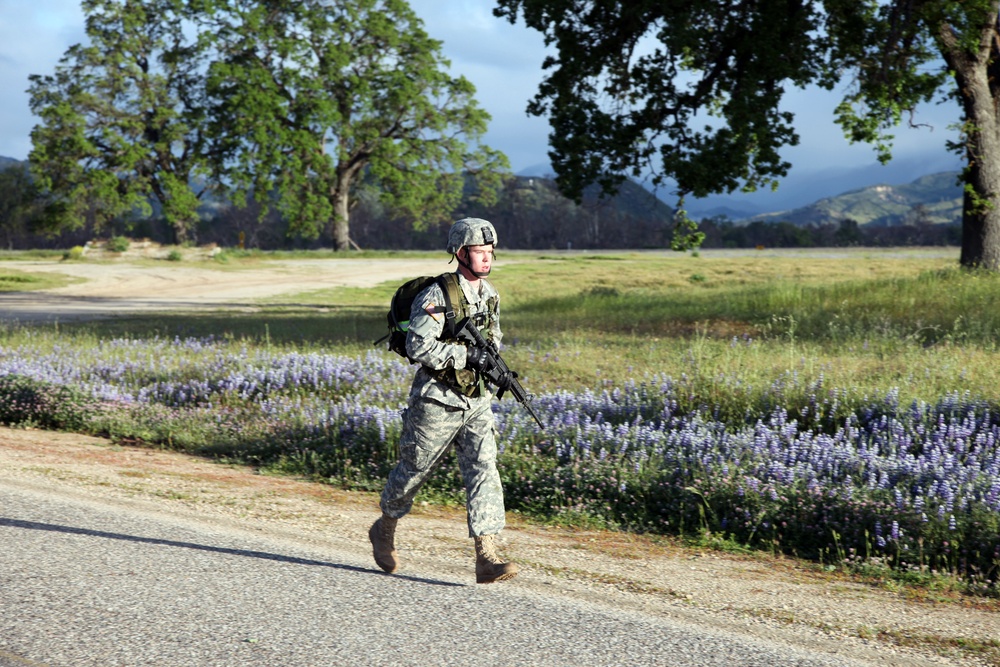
(863, 322)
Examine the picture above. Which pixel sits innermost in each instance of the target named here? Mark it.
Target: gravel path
(89, 584)
(107, 289)
(123, 556)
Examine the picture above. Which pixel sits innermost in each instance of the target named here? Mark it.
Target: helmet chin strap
(462, 262)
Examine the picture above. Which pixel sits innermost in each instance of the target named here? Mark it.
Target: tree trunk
(341, 220)
(981, 222)
(976, 75)
(341, 198)
(981, 203)
(180, 232)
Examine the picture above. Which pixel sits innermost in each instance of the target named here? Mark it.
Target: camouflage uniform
(438, 416)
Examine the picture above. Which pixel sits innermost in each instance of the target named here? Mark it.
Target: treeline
(529, 213)
(723, 233)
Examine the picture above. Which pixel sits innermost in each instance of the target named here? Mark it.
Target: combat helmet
(471, 231)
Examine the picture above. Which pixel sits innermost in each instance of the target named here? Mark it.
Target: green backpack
(398, 316)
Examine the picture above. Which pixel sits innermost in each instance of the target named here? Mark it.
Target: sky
(504, 62)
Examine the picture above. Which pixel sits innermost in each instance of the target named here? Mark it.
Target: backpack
(398, 316)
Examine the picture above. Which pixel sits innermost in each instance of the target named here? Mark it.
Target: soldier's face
(480, 258)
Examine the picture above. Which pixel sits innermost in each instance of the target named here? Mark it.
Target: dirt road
(106, 289)
(774, 600)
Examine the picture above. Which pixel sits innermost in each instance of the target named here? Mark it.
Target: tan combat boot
(489, 567)
(382, 534)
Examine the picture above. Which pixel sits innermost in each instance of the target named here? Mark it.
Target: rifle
(496, 372)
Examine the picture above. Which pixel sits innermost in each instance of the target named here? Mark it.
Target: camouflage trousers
(429, 429)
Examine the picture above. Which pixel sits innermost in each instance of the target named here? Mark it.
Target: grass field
(864, 320)
(837, 406)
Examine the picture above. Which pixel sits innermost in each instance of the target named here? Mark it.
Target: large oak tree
(691, 91)
(121, 118)
(302, 103)
(317, 100)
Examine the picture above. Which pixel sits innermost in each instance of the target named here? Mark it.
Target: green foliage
(630, 80)
(617, 110)
(76, 252)
(614, 107)
(117, 244)
(318, 101)
(302, 103)
(27, 402)
(174, 256)
(686, 234)
(20, 200)
(119, 118)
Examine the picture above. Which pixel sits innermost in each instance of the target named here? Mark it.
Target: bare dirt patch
(121, 287)
(775, 598)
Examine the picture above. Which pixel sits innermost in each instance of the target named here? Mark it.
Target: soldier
(450, 404)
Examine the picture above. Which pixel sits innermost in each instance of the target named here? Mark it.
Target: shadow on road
(34, 525)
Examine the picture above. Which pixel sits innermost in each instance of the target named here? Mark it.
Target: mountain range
(930, 199)
(805, 186)
(911, 191)
(10, 162)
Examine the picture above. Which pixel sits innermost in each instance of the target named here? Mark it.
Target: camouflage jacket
(425, 347)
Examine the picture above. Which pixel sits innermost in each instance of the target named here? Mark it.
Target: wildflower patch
(916, 486)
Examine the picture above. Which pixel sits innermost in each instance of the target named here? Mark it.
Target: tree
(19, 201)
(121, 118)
(631, 79)
(317, 100)
(848, 233)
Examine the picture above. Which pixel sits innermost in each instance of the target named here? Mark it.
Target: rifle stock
(497, 372)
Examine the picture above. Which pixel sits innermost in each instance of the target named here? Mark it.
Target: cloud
(823, 144)
(503, 61)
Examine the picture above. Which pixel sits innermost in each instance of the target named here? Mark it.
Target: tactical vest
(465, 381)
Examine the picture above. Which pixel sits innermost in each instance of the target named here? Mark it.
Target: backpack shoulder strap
(454, 306)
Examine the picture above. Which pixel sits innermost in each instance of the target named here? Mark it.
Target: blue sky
(504, 63)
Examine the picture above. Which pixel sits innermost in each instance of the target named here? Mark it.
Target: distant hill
(631, 199)
(534, 214)
(723, 211)
(6, 162)
(931, 199)
(808, 183)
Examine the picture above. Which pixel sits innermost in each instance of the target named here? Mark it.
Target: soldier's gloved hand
(476, 359)
(506, 380)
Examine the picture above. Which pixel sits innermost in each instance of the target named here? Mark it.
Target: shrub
(28, 402)
(76, 252)
(117, 244)
(175, 256)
